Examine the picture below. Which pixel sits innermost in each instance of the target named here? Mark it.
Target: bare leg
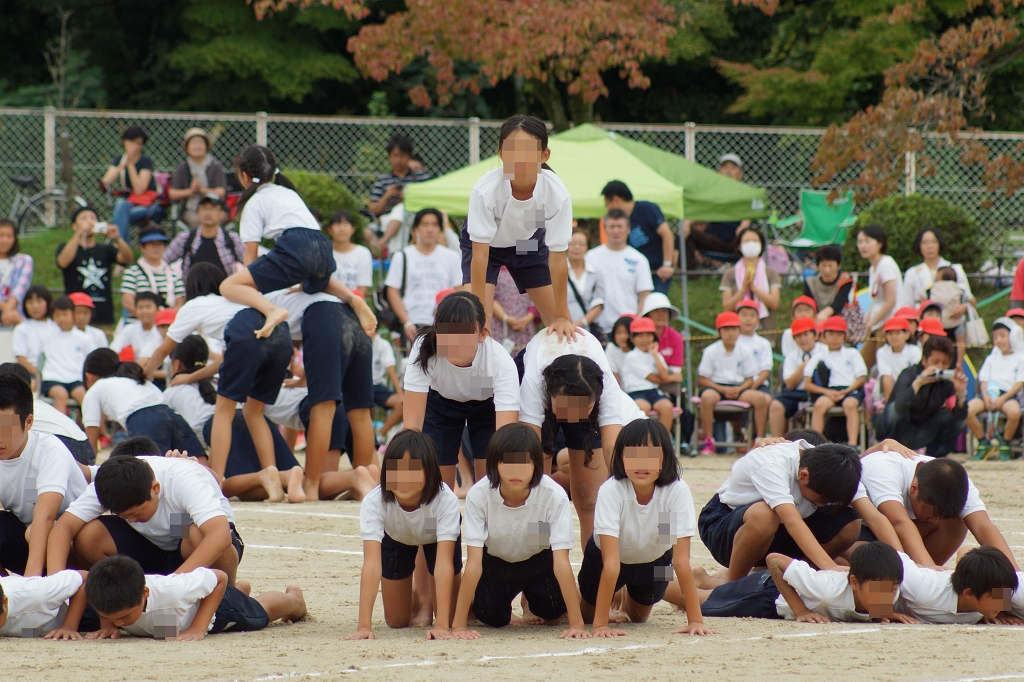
(708, 399)
(466, 475)
(293, 483)
(227, 561)
(318, 442)
(288, 606)
(367, 320)
(753, 539)
(821, 406)
(637, 613)
(250, 487)
(59, 394)
(399, 601)
(843, 540)
(943, 539)
(241, 288)
(1012, 410)
(259, 431)
(93, 544)
(664, 408)
(78, 394)
(361, 424)
(777, 418)
(584, 482)
(220, 434)
(543, 298)
(974, 408)
(359, 481)
(850, 407)
(423, 590)
(395, 405)
(760, 401)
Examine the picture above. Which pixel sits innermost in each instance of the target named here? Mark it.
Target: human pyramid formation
(146, 543)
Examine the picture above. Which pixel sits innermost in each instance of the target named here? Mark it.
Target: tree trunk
(551, 99)
(582, 112)
(519, 93)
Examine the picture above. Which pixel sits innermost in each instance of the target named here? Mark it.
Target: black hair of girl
(641, 433)
(420, 448)
(15, 248)
(462, 308)
(101, 363)
(131, 370)
(531, 126)
(259, 164)
(517, 438)
(760, 235)
(193, 354)
(878, 234)
(423, 213)
(42, 293)
(623, 322)
(916, 248)
(572, 375)
(203, 279)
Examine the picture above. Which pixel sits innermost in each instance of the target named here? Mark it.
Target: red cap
(834, 324)
(166, 316)
(805, 300)
(748, 303)
(82, 298)
(925, 305)
(727, 319)
(127, 354)
(931, 326)
(909, 313)
(801, 325)
(641, 324)
(441, 294)
(1015, 312)
(895, 324)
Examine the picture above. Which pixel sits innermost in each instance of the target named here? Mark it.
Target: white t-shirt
(96, 337)
(383, 357)
(45, 466)
(28, 338)
(845, 366)
(206, 314)
(143, 342)
(626, 273)
(186, 400)
(424, 277)
(296, 304)
(272, 210)
(285, 410)
(492, 374)
(65, 353)
(1001, 370)
(761, 350)
(636, 367)
(616, 356)
(928, 595)
(47, 419)
(886, 271)
(439, 520)
(628, 409)
(173, 599)
(886, 476)
(890, 363)
(725, 368)
(825, 592)
(645, 532)
(1017, 602)
(794, 359)
(187, 492)
(118, 398)
(499, 219)
(37, 604)
(788, 344)
(767, 474)
(515, 534)
(355, 268)
(541, 351)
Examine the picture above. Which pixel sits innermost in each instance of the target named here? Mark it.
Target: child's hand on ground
(606, 631)
(695, 629)
(1004, 618)
(811, 617)
(439, 633)
(63, 634)
(564, 328)
(899, 618)
(361, 634)
(189, 635)
(105, 633)
(463, 633)
(574, 633)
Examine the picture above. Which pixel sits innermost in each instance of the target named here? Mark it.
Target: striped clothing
(135, 281)
(385, 180)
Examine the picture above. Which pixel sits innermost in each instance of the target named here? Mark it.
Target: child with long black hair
(520, 218)
(271, 208)
(37, 325)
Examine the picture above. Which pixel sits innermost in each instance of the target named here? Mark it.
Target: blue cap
(153, 237)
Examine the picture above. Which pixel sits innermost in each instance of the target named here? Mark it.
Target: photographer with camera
(87, 265)
(920, 412)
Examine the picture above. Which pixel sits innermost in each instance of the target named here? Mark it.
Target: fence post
(49, 148)
(690, 142)
(474, 140)
(910, 168)
(261, 128)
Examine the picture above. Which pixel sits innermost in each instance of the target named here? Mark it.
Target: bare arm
(369, 585)
(803, 536)
(207, 608)
(986, 533)
(444, 580)
(393, 375)
(877, 522)
(415, 407)
(251, 253)
(505, 417)
(906, 530)
(67, 254)
(684, 575)
(467, 590)
(606, 587)
(889, 291)
(570, 593)
(68, 630)
(43, 517)
(559, 266)
(58, 544)
(777, 565)
(158, 356)
(216, 540)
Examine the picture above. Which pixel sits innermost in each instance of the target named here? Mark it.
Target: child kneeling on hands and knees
(642, 530)
(411, 508)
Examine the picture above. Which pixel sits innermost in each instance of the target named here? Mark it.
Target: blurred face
(457, 342)
(929, 246)
(572, 409)
(896, 338)
(991, 603)
(616, 230)
(731, 170)
(829, 270)
(6, 240)
(65, 319)
(659, 316)
(399, 161)
(145, 511)
(83, 316)
(643, 340)
(128, 616)
(749, 320)
(806, 340)
(196, 147)
(521, 157)
(925, 513)
(578, 246)
(802, 310)
(642, 465)
(154, 250)
(428, 231)
(1001, 339)
(729, 335)
(13, 435)
(1019, 320)
(210, 215)
(913, 327)
(515, 471)
(834, 340)
(933, 313)
(614, 202)
(405, 477)
(35, 307)
(86, 220)
(133, 147)
(621, 337)
(145, 312)
(876, 596)
(342, 231)
(867, 246)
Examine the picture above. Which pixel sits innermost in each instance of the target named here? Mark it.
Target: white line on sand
(264, 510)
(305, 549)
(1010, 676)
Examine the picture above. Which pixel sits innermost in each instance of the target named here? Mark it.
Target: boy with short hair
(803, 307)
(142, 335)
(384, 369)
(184, 606)
(39, 479)
(726, 370)
(981, 587)
(83, 316)
(760, 348)
(999, 382)
(65, 348)
(909, 313)
(895, 356)
(804, 335)
(51, 606)
(847, 375)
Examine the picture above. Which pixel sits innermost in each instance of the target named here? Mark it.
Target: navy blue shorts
(527, 262)
(13, 545)
(651, 395)
(858, 394)
(501, 581)
(444, 421)
(82, 450)
(718, 523)
(254, 368)
(300, 255)
(242, 458)
(340, 436)
(751, 596)
(791, 399)
(381, 395)
(166, 427)
(337, 355)
(45, 387)
(720, 396)
(153, 559)
(646, 583)
(238, 612)
(398, 560)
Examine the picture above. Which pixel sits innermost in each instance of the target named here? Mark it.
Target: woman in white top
(885, 282)
(917, 280)
(518, 535)
(354, 261)
(412, 508)
(586, 284)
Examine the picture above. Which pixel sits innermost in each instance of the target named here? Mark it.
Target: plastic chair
(677, 413)
(728, 410)
(823, 223)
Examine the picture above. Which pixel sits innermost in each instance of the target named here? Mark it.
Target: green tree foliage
(323, 193)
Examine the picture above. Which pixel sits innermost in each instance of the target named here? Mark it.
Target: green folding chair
(823, 223)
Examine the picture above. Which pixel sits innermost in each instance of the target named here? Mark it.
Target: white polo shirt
(767, 474)
(45, 466)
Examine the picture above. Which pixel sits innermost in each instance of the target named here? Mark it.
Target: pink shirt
(670, 345)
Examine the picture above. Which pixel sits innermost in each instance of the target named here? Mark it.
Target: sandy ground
(317, 545)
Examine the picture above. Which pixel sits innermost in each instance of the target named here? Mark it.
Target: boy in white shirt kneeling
(725, 371)
(999, 382)
(844, 386)
(808, 352)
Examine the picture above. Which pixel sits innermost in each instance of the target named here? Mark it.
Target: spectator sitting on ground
(210, 242)
(15, 275)
(131, 174)
(649, 232)
(87, 265)
(718, 237)
(198, 176)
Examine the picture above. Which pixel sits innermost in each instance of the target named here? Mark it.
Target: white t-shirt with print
(207, 315)
(65, 353)
(886, 477)
(890, 363)
(492, 374)
(118, 398)
(761, 350)
(272, 210)
(727, 368)
(37, 605)
(845, 366)
(441, 520)
(626, 273)
(45, 466)
(767, 474)
(355, 268)
(425, 276)
(383, 357)
(515, 534)
(173, 599)
(644, 531)
(499, 219)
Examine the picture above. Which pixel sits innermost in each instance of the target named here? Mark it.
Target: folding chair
(823, 224)
(806, 411)
(679, 391)
(728, 410)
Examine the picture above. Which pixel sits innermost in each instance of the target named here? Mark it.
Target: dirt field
(318, 546)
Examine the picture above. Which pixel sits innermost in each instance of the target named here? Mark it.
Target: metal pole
(261, 128)
(474, 140)
(910, 169)
(690, 142)
(687, 344)
(49, 157)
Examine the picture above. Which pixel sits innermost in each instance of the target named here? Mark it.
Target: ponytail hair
(461, 308)
(259, 163)
(193, 354)
(131, 370)
(102, 363)
(572, 375)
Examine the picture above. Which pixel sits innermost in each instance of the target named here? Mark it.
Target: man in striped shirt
(387, 190)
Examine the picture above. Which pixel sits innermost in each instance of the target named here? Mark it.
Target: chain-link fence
(61, 147)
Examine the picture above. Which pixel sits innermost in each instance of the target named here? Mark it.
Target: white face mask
(750, 249)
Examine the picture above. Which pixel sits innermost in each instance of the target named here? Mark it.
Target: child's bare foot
(364, 483)
(270, 479)
(367, 320)
(243, 586)
(311, 489)
(528, 616)
(300, 609)
(274, 318)
(616, 604)
(423, 618)
(617, 616)
(295, 479)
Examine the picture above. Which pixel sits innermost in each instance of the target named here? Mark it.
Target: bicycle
(40, 211)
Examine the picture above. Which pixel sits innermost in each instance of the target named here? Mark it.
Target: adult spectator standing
(418, 272)
(131, 174)
(918, 279)
(752, 278)
(626, 272)
(918, 412)
(15, 275)
(885, 284)
(649, 232)
(387, 191)
(86, 264)
(721, 236)
(198, 176)
(209, 242)
(586, 284)
(151, 273)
